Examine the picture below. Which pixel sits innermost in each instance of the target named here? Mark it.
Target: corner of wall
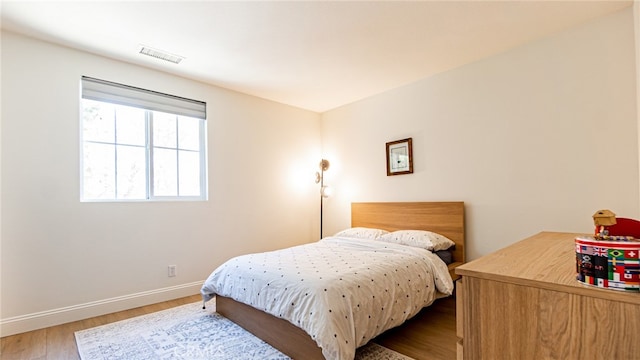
(0, 177)
(636, 27)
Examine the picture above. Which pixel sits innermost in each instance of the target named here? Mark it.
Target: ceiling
(315, 55)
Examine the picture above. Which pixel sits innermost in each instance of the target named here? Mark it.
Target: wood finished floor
(430, 335)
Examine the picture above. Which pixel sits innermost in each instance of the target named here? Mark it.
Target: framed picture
(399, 157)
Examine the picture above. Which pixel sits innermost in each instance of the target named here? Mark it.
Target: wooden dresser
(524, 302)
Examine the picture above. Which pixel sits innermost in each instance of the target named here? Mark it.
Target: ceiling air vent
(160, 54)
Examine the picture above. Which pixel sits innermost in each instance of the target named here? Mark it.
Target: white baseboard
(43, 319)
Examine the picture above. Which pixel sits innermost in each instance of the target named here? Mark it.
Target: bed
(445, 218)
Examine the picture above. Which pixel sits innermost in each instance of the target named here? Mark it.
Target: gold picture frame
(400, 157)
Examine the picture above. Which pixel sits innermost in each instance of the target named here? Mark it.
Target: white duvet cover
(342, 291)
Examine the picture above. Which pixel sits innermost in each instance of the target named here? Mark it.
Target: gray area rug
(190, 333)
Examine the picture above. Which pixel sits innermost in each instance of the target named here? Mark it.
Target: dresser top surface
(545, 260)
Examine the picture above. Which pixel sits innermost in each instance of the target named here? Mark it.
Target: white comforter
(342, 291)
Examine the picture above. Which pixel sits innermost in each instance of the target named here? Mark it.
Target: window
(137, 144)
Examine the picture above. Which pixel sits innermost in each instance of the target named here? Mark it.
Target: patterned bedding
(342, 291)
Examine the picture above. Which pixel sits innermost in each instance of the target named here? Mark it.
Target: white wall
(62, 258)
(636, 23)
(537, 138)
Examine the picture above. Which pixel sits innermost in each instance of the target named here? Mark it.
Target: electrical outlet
(172, 270)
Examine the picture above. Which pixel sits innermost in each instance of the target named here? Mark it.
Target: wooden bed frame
(446, 218)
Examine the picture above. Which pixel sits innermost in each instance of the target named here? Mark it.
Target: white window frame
(150, 101)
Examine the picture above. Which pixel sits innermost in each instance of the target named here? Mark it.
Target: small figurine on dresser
(608, 227)
(602, 219)
(611, 258)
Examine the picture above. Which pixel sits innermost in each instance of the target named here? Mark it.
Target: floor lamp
(324, 190)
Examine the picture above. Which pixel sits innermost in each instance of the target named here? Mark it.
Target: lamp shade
(324, 165)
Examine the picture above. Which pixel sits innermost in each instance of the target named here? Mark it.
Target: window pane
(164, 129)
(130, 126)
(98, 121)
(99, 171)
(132, 172)
(189, 133)
(165, 175)
(189, 173)
(119, 141)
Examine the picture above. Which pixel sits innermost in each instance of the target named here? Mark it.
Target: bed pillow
(362, 233)
(445, 255)
(419, 238)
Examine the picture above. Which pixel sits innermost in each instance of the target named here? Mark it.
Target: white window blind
(107, 91)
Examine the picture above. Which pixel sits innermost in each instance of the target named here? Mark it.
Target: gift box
(612, 263)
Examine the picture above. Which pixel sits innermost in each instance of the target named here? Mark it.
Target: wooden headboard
(446, 218)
